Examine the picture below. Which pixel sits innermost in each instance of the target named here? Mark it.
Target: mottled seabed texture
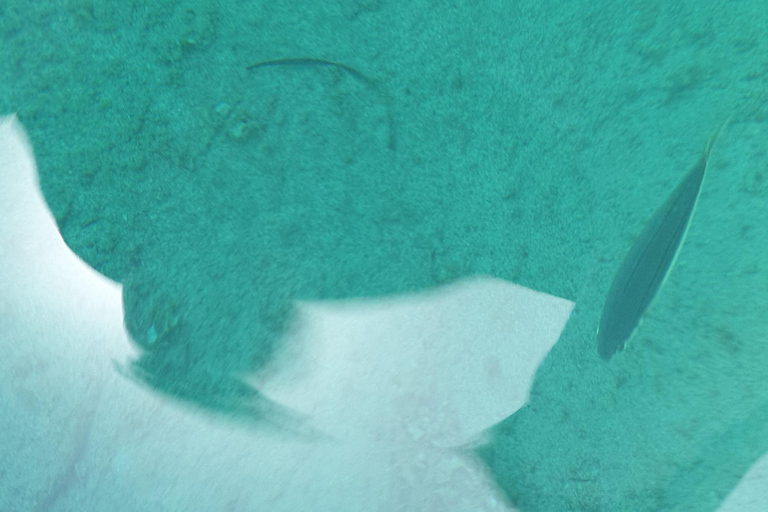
(218, 166)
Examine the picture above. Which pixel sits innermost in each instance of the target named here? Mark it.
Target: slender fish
(357, 75)
(649, 260)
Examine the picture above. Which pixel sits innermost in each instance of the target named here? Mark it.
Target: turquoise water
(387, 149)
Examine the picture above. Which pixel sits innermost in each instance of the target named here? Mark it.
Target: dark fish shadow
(223, 396)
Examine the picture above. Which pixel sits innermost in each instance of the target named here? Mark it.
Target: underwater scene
(383, 256)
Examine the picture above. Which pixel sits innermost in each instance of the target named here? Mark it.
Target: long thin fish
(648, 262)
(357, 75)
(308, 61)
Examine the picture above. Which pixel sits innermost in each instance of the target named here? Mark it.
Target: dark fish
(648, 262)
(308, 61)
(357, 75)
